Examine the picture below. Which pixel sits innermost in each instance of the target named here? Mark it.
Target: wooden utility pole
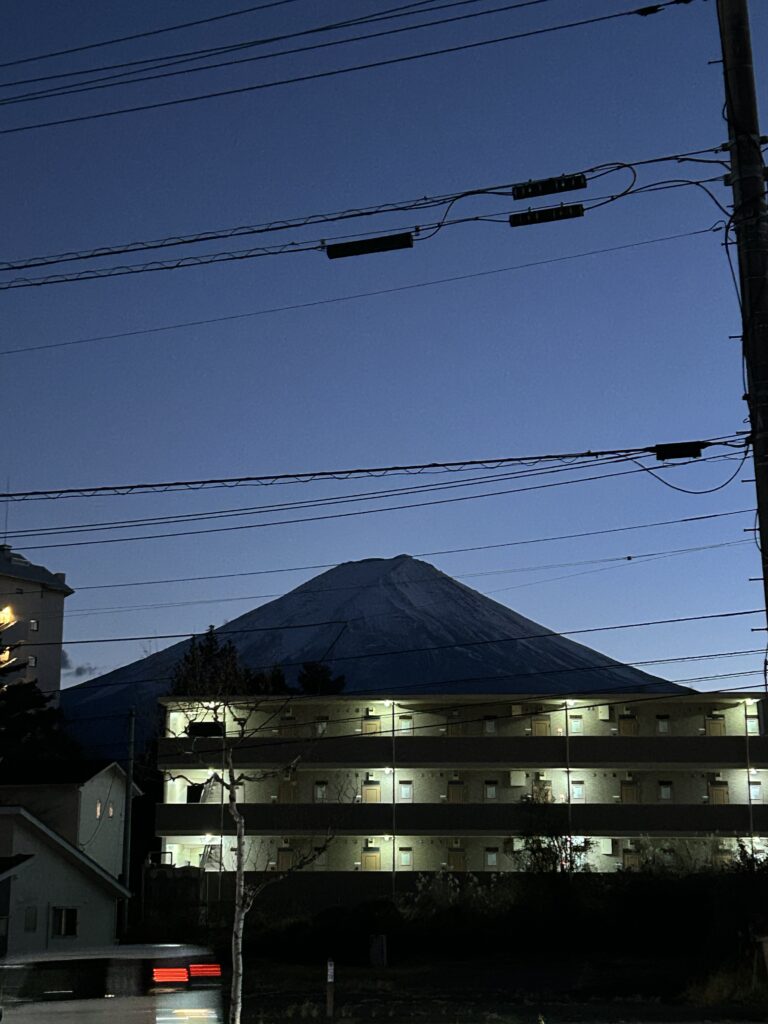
(750, 223)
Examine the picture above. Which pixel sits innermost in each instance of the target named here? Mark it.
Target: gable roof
(9, 865)
(57, 773)
(65, 849)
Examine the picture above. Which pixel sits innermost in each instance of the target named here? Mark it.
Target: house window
(662, 725)
(576, 725)
(321, 792)
(405, 724)
(489, 725)
(405, 791)
(98, 809)
(492, 857)
(30, 919)
(34, 625)
(32, 660)
(753, 725)
(405, 857)
(755, 793)
(578, 792)
(110, 810)
(491, 789)
(321, 726)
(64, 922)
(665, 790)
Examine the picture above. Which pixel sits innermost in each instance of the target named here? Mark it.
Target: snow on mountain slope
(390, 626)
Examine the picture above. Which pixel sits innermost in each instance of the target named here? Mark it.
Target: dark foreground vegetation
(590, 947)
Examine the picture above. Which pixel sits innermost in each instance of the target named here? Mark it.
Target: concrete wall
(49, 881)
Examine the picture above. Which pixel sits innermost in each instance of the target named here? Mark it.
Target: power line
(143, 35)
(344, 515)
(407, 650)
(613, 562)
(547, 469)
(335, 72)
(144, 332)
(120, 80)
(445, 200)
(348, 474)
(713, 656)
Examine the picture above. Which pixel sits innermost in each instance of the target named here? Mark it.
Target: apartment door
(718, 793)
(286, 792)
(630, 792)
(455, 727)
(456, 792)
(630, 860)
(715, 726)
(284, 858)
(457, 860)
(371, 725)
(542, 792)
(627, 725)
(540, 727)
(371, 859)
(371, 793)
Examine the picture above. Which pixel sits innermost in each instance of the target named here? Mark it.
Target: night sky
(605, 351)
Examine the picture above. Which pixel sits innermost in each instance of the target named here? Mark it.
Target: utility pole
(750, 223)
(128, 819)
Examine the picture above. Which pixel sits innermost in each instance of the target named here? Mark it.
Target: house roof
(17, 567)
(56, 773)
(9, 865)
(66, 850)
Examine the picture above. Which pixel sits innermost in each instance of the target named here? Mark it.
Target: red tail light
(205, 970)
(165, 974)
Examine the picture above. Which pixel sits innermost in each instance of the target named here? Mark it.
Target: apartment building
(31, 621)
(466, 783)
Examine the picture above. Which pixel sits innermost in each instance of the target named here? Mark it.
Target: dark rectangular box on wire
(545, 216)
(365, 246)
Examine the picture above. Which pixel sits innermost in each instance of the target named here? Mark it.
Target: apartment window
(405, 724)
(662, 725)
(665, 791)
(578, 792)
(489, 725)
(34, 625)
(491, 789)
(321, 792)
(576, 725)
(98, 809)
(30, 919)
(321, 726)
(492, 857)
(755, 793)
(405, 791)
(753, 725)
(32, 660)
(405, 857)
(64, 922)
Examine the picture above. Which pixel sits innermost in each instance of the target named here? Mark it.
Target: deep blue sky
(603, 352)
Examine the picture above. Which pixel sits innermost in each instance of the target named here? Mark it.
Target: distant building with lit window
(31, 621)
